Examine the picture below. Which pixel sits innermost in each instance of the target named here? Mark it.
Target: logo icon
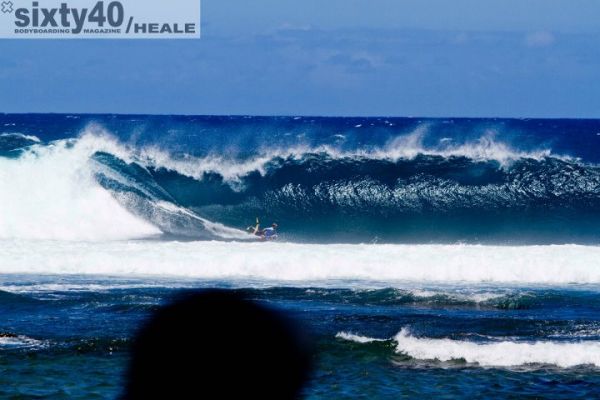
(99, 19)
(7, 7)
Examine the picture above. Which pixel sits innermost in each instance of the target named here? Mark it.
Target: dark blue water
(82, 327)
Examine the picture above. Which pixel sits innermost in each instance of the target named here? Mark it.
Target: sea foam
(505, 353)
(556, 265)
(500, 354)
(49, 192)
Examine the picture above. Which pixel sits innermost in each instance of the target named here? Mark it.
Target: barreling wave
(432, 197)
(404, 191)
(95, 187)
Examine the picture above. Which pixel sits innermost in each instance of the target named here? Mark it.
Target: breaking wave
(496, 353)
(501, 353)
(95, 187)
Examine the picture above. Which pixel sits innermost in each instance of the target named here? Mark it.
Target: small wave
(12, 341)
(390, 296)
(16, 135)
(12, 143)
(489, 354)
(74, 287)
(580, 330)
(500, 354)
(94, 345)
(357, 338)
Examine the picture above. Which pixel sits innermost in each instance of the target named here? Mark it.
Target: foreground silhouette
(217, 344)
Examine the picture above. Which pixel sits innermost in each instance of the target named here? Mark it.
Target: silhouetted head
(274, 225)
(216, 344)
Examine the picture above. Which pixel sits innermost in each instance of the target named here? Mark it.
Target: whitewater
(52, 192)
(294, 262)
(506, 353)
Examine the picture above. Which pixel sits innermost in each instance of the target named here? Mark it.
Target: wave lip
(500, 354)
(16, 135)
(405, 147)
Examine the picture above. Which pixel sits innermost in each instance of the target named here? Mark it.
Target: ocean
(448, 258)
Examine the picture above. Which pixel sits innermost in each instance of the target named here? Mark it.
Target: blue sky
(480, 58)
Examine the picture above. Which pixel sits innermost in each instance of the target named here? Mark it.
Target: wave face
(420, 199)
(322, 180)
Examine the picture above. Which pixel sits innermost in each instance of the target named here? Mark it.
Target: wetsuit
(269, 233)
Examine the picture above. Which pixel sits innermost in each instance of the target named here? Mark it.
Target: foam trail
(351, 337)
(217, 229)
(50, 193)
(308, 262)
(20, 341)
(500, 354)
(73, 287)
(30, 138)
